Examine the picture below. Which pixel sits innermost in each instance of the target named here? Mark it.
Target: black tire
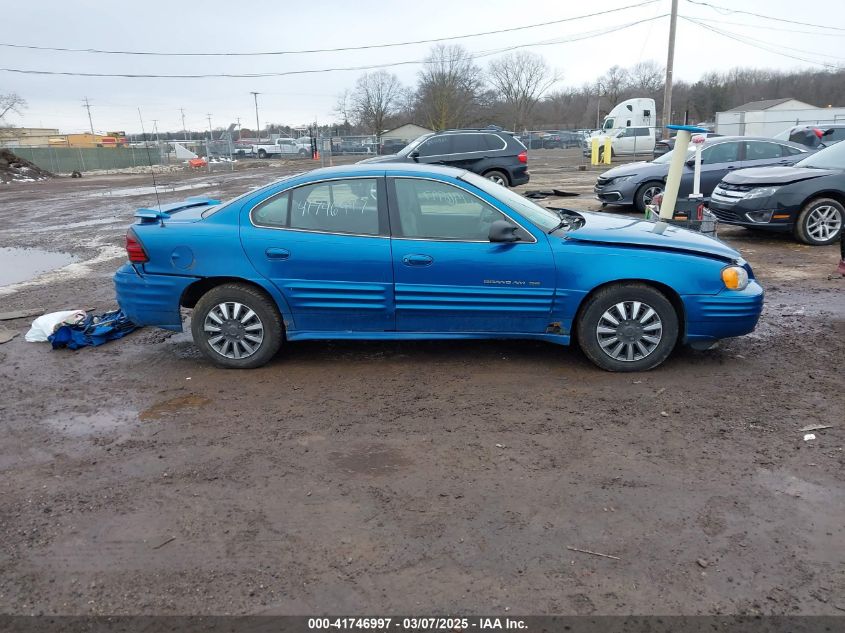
(497, 176)
(811, 229)
(262, 153)
(599, 347)
(645, 192)
(265, 311)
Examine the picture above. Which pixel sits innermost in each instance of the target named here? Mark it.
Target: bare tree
(521, 78)
(614, 83)
(376, 97)
(646, 77)
(11, 102)
(449, 86)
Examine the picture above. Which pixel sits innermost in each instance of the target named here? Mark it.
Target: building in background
(407, 133)
(27, 136)
(772, 116)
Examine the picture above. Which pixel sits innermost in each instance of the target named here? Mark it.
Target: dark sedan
(637, 183)
(807, 200)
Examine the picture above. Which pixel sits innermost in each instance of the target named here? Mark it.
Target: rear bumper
(151, 299)
(519, 176)
(723, 315)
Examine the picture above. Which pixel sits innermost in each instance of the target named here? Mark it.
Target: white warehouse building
(772, 116)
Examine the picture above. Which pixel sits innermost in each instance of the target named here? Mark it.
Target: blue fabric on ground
(93, 331)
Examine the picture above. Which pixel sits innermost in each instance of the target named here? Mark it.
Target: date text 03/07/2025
(416, 623)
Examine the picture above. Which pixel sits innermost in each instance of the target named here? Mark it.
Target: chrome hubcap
(233, 330)
(824, 223)
(649, 193)
(629, 331)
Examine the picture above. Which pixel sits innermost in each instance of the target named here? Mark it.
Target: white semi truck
(631, 126)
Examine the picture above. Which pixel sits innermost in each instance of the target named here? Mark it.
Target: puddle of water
(375, 460)
(125, 192)
(83, 223)
(172, 406)
(81, 425)
(22, 264)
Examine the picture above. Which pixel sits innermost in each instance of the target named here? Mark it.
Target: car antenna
(149, 160)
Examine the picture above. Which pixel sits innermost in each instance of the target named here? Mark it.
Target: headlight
(760, 192)
(622, 179)
(735, 277)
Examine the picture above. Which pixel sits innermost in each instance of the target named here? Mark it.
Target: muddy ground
(412, 477)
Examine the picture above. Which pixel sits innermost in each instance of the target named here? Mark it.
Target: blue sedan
(399, 252)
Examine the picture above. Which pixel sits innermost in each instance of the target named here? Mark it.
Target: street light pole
(257, 127)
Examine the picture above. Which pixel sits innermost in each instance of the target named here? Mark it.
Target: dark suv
(492, 153)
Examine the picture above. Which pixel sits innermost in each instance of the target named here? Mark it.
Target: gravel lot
(412, 477)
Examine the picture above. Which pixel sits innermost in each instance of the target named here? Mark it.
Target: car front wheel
(820, 222)
(237, 326)
(645, 194)
(627, 327)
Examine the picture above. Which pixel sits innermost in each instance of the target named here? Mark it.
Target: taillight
(523, 156)
(134, 250)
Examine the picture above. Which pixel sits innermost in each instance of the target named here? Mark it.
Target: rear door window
(337, 206)
(462, 143)
(761, 150)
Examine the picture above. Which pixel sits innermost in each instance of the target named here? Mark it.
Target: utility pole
(87, 106)
(184, 129)
(239, 128)
(257, 127)
(670, 62)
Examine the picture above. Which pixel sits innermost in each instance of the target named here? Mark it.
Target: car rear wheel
(645, 194)
(237, 326)
(627, 327)
(499, 177)
(820, 222)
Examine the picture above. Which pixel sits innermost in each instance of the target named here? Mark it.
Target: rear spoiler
(148, 216)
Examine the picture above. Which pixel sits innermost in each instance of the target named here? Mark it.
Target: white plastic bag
(46, 324)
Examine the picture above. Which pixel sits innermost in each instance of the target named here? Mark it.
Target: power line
(766, 27)
(766, 46)
(329, 50)
(728, 10)
(477, 55)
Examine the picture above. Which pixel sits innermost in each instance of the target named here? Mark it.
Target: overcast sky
(226, 26)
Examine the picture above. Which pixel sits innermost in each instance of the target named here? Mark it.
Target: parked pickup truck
(281, 146)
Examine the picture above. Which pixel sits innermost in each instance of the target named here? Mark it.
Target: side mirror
(414, 155)
(690, 162)
(503, 231)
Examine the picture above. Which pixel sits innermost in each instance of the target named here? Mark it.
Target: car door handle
(277, 253)
(417, 260)
(731, 167)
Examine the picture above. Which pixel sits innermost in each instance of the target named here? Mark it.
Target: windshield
(608, 124)
(832, 157)
(537, 215)
(667, 157)
(410, 147)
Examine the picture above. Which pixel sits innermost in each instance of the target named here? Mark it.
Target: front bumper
(782, 219)
(613, 194)
(151, 299)
(723, 315)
